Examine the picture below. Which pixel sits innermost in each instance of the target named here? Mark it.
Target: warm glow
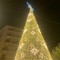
(32, 45)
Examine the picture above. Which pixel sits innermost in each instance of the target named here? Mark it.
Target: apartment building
(9, 41)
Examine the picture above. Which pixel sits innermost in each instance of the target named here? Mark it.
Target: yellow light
(32, 45)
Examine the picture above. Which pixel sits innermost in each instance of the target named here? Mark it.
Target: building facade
(9, 41)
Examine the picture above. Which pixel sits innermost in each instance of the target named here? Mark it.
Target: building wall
(10, 37)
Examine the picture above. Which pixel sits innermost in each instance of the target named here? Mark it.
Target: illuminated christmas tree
(32, 45)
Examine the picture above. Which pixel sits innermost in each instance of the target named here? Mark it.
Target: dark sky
(47, 13)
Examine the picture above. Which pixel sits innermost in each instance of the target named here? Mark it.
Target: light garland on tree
(32, 45)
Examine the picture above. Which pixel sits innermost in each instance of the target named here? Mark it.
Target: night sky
(47, 14)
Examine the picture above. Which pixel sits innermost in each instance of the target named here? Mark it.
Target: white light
(21, 46)
(34, 51)
(33, 33)
(45, 45)
(25, 30)
(29, 20)
(30, 14)
(39, 31)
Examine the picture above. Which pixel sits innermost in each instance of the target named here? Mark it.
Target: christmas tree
(32, 45)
